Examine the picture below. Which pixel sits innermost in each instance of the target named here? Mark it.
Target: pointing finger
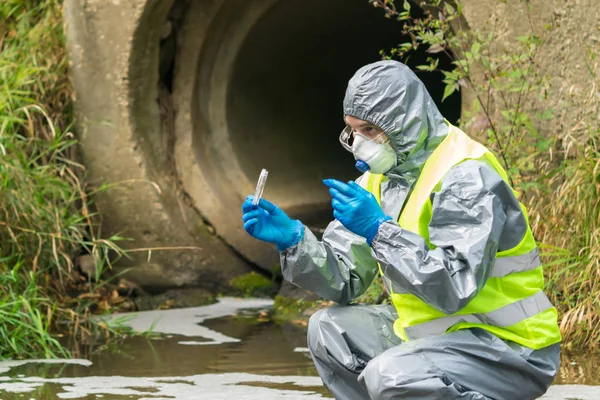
(338, 185)
(339, 196)
(356, 187)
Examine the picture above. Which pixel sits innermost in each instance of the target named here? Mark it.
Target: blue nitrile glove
(356, 208)
(269, 223)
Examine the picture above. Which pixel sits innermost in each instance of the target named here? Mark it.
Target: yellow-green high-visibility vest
(512, 304)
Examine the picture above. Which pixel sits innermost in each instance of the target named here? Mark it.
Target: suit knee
(373, 373)
(315, 323)
(393, 372)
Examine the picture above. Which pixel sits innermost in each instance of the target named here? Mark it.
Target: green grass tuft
(253, 284)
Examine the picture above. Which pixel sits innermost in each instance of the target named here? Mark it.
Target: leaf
(449, 9)
(406, 5)
(406, 46)
(486, 63)
(449, 90)
(435, 48)
(433, 64)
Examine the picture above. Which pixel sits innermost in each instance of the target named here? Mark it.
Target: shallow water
(210, 354)
(579, 368)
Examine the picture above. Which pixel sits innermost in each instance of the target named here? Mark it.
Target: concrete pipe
(196, 97)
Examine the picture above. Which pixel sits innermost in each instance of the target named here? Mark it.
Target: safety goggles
(347, 138)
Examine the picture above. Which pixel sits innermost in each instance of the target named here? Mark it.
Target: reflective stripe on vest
(502, 267)
(506, 316)
(509, 265)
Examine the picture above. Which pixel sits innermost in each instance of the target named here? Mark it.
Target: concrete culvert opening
(268, 93)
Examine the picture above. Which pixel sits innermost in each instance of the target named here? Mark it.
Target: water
(579, 368)
(209, 354)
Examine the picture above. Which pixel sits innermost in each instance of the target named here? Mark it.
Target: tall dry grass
(566, 215)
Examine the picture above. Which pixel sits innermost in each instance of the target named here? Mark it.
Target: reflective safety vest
(512, 304)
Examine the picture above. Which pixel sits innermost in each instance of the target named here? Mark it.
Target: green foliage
(556, 172)
(253, 284)
(45, 219)
(502, 82)
(292, 310)
(375, 294)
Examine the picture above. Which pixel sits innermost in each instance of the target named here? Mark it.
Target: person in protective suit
(435, 215)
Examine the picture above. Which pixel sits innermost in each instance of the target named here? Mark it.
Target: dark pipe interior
(285, 95)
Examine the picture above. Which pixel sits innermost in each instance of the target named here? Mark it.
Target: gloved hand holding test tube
(267, 222)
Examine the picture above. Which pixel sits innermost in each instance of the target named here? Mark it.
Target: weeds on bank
(568, 210)
(556, 172)
(45, 216)
(253, 284)
(288, 310)
(375, 294)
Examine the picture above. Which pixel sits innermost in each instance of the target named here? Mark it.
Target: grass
(566, 214)
(288, 310)
(253, 284)
(45, 211)
(375, 294)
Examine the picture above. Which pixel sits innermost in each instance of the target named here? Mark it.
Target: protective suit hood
(389, 95)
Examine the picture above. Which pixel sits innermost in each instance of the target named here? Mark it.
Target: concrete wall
(564, 54)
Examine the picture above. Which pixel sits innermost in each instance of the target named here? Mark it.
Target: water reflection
(579, 368)
(265, 348)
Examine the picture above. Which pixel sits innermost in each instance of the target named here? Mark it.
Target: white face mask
(379, 157)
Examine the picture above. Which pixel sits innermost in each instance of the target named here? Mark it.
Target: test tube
(260, 186)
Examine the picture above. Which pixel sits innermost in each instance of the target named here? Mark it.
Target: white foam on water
(301, 350)
(209, 386)
(215, 387)
(572, 392)
(185, 321)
